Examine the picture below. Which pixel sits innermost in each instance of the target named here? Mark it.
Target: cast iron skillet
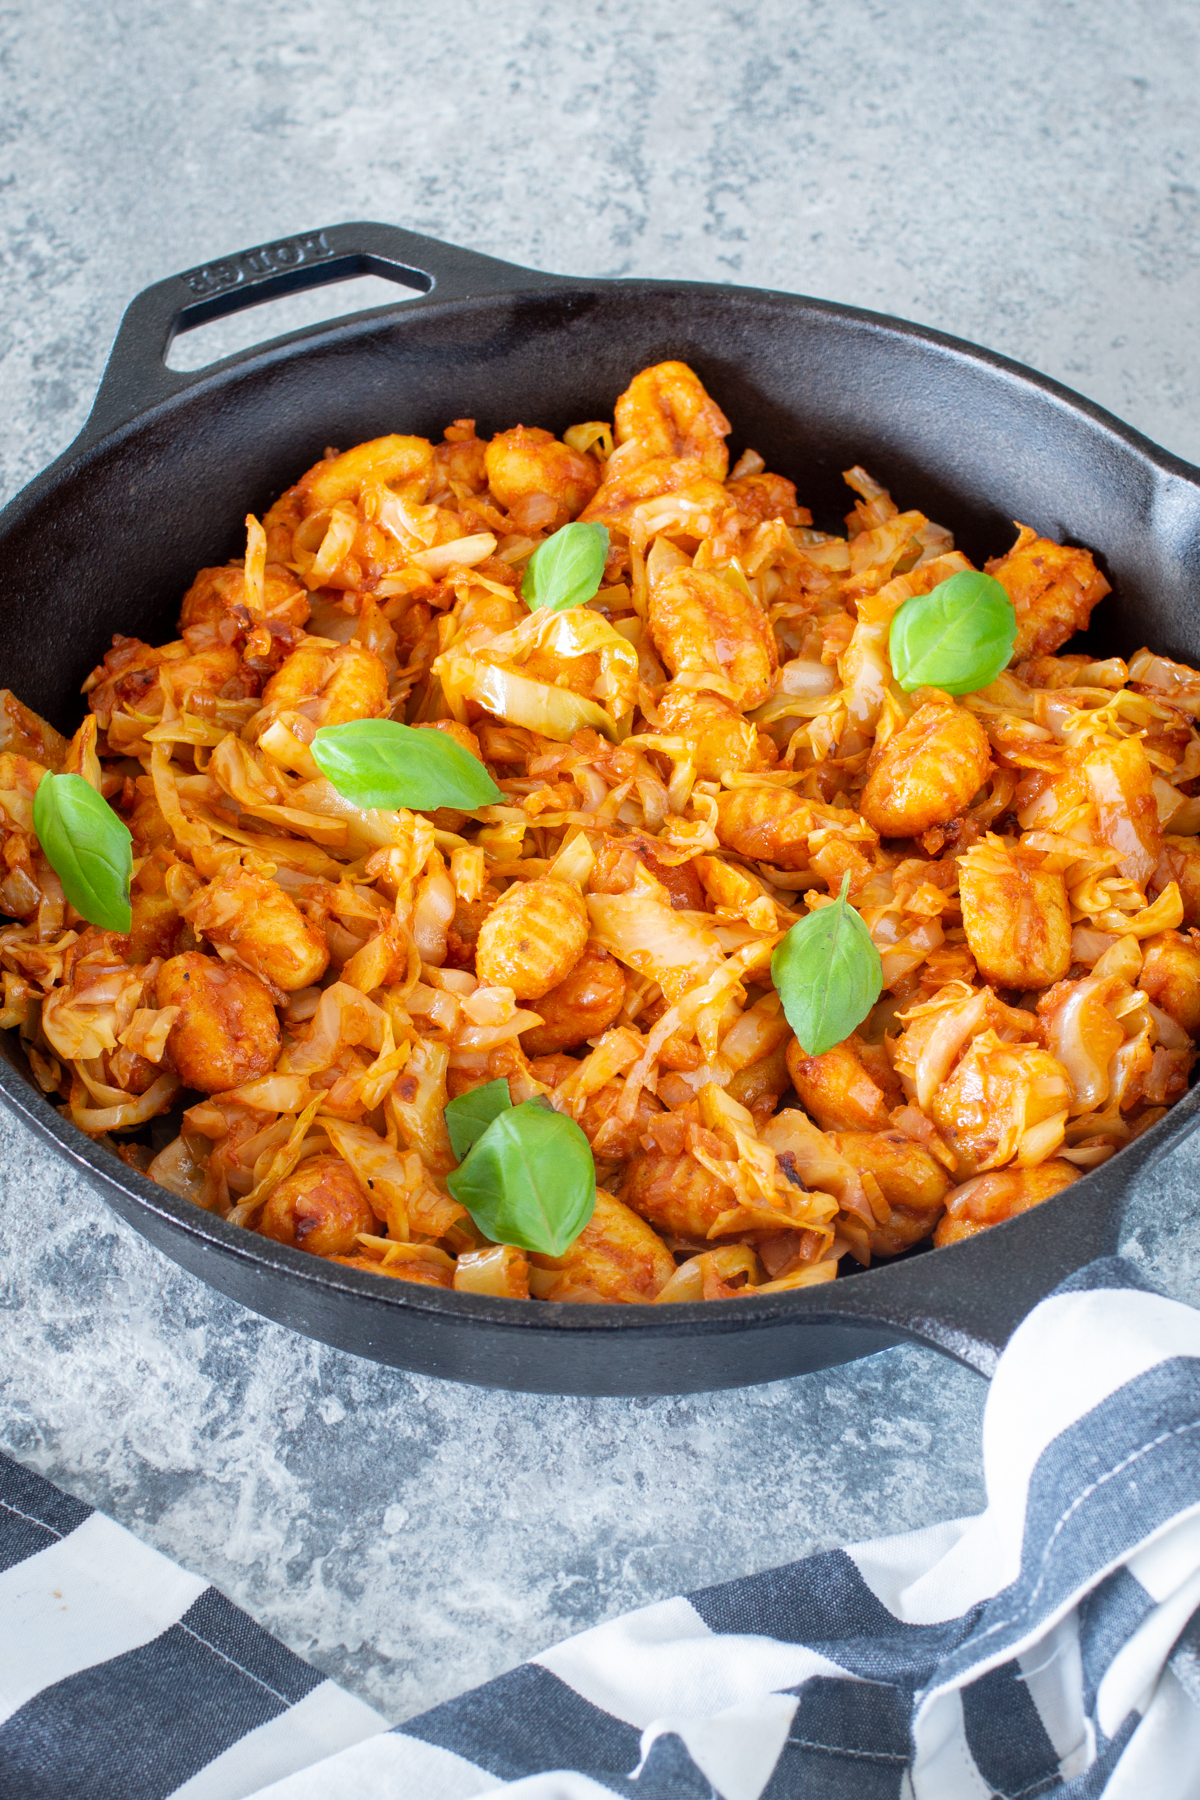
(158, 484)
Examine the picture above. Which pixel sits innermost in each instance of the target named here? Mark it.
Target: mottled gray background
(1021, 176)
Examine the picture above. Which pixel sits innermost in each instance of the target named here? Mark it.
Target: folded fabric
(1050, 1646)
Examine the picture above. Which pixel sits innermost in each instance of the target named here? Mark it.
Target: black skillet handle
(137, 376)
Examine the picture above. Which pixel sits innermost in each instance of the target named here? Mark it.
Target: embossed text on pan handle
(137, 377)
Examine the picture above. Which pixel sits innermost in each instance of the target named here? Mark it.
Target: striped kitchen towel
(1050, 1646)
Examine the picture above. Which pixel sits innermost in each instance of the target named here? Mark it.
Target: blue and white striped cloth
(1050, 1646)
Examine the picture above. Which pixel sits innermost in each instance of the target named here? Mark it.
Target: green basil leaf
(567, 569)
(958, 637)
(529, 1180)
(88, 847)
(468, 1117)
(381, 763)
(828, 974)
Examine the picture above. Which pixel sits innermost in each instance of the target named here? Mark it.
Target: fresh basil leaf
(529, 1180)
(567, 569)
(468, 1117)
(381, 763)
(958, 637)
(88, 847)
(828, 974)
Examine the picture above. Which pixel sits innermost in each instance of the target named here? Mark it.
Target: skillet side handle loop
(137, 376)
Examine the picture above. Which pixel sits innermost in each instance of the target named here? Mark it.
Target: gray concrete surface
(1023, 178)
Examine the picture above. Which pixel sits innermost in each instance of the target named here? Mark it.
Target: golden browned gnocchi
(703, 625)
(615, 1257)
(321, 1209)
(1017, 918)
(990, 1199)
(532, 938)
(225, 1032)
(928, 773)
(913, 1184)
(836, 1089)
(678, 1194)
(582, 1005)
(683, 762)
(538, 479)
(260, 927)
